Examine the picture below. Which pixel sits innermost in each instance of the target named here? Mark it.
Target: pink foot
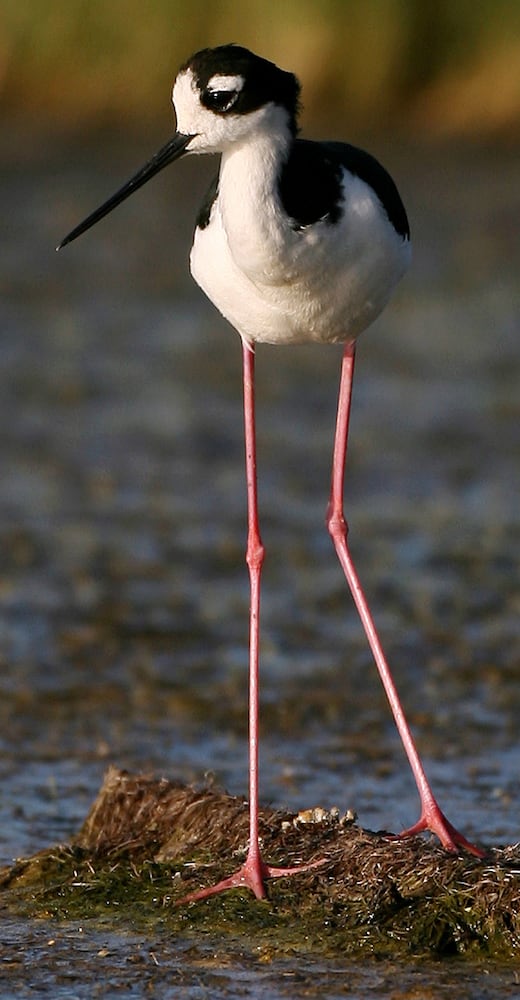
(252, 874)
(435, 821)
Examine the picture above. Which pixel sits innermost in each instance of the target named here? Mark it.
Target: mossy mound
(147, 843)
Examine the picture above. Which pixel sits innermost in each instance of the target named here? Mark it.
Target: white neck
(249, 201)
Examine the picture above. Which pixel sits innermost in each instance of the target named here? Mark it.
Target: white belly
(325, 283)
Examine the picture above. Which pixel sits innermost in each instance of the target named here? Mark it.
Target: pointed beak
(173, 149)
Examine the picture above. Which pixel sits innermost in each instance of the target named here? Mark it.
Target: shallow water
(79, 963)
(123, 590)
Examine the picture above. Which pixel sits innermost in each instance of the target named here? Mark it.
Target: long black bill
(170, 152)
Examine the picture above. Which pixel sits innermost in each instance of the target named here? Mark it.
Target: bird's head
(221, 97)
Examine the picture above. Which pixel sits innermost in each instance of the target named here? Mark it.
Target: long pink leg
(254, 871)
(431, 817)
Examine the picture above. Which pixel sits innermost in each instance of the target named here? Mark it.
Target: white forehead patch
(185, 98)
(184, 88)
(223, 82)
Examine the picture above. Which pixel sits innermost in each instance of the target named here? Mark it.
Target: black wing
(310, 183)
(209, 200)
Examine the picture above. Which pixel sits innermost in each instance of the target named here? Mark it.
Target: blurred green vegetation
(432, 64)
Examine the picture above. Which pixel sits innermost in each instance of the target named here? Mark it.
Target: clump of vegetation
(147, 843)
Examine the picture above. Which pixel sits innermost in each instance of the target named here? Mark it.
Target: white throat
(249, 201)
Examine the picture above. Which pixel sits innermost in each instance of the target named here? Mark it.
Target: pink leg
(431, 817)
(254, 871)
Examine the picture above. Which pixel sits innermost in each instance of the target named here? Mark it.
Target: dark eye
(219, 100)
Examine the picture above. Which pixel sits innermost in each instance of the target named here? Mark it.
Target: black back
(310, 183)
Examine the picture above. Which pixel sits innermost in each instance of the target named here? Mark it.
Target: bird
(296, 241)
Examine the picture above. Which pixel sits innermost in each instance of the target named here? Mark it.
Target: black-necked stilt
(297, 241)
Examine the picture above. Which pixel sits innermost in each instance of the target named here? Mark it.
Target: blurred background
(123, 589)
(436, 67)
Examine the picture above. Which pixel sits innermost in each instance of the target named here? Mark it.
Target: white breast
(324, 283)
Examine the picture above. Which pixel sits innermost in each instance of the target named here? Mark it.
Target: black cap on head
(264, 82)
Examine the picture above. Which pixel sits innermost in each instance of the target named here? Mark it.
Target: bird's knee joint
(255, 554)
(336, 526)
